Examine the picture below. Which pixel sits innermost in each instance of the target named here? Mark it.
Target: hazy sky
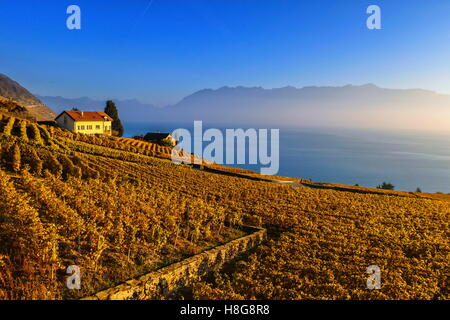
(159, 51)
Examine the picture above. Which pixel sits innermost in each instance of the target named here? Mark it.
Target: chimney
(82, 114)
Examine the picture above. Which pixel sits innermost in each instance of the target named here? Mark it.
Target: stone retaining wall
(167, 280)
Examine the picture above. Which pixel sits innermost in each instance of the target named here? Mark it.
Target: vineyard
(119, 207)
(10, 107)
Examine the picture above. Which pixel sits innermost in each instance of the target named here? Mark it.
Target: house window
(97, 127)
(81, 127)
(89, 127)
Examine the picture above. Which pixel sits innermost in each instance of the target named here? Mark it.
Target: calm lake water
(364, 157)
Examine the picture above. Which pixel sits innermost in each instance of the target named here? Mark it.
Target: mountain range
(363, 106)
(130, 110)
(351, 106)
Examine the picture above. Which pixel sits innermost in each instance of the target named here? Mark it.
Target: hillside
(118, 208)
(12, 90)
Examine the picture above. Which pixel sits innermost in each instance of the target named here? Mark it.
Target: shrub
(36, 134)
(23, 131)
(31, 159)
(45, 134)
(16, 158)
(36, 163)
(386, 186)
(9, 126)
(52, 165)
(77, 173)
(67, 165)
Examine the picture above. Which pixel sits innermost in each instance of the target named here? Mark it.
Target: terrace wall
(166, 281)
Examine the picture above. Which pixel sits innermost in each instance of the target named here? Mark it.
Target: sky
(158, 51)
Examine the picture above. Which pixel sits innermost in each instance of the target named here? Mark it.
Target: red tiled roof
(87, 116)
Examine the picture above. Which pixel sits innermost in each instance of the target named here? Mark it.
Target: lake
(408, 160)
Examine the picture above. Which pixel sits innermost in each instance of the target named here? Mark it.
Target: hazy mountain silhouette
(366, 106)
(129, 110)
(349, 106)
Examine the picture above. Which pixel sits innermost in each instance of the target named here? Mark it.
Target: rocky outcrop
(168, 280)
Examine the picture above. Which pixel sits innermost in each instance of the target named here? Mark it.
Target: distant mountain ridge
(129, 110)
(292, 93)
(12, 90)
(357, 106)
(350, 106)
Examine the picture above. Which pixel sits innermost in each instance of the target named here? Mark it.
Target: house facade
(88, 122)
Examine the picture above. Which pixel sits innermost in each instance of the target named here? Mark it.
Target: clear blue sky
(176, 47)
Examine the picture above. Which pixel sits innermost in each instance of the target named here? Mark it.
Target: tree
(386, 186)
(418, 190)
(111, 111)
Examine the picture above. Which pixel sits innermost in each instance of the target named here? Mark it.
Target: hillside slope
(118, 208)
(12, 90)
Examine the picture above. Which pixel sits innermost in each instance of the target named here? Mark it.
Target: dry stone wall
(166, 281)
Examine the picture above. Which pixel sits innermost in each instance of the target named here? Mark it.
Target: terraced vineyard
(118, 208)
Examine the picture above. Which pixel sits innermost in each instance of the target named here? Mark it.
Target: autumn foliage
(118, 208)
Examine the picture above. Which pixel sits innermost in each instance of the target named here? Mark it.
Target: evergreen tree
(111, 110)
